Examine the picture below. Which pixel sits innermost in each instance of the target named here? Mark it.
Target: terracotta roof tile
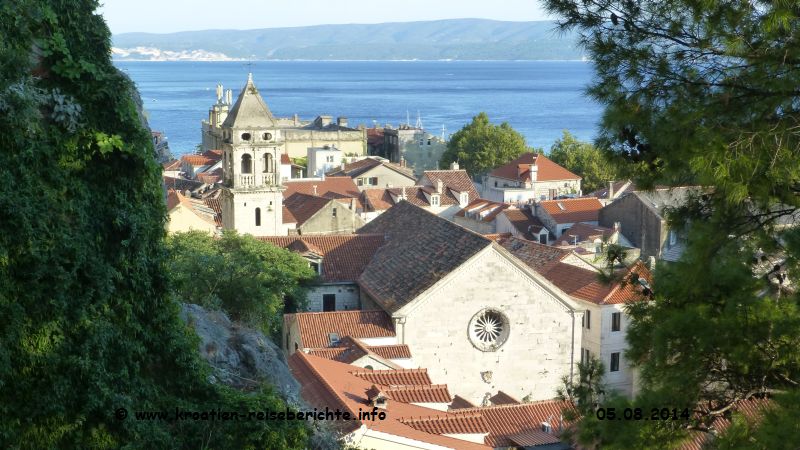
(422, 248)
(287, 216)
(460, 403)
(509, 420)
(344, 256)
(585, 232)
(173, 165)
(547, 170)
(315, 328)
(501, 398)
(532, 438)
(434, 393)
(285, 159)
(216, 206)
(753, 409)
(400, 351)
(181, 184)
(333, 384)
(539, 257)
(215, 154)
(451, 424)
(303, 206)
(524, 222)
(198, 160)
(572, 210)
(458, 180)
(376, 199)
(620, 187)
(403, 377)
(330, 187)
(357, 168)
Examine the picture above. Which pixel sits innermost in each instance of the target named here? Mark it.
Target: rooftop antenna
(249, 65)
(408, 119)
(419, 121)
(444, 132)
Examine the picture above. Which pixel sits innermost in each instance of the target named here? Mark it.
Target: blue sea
(538, 98)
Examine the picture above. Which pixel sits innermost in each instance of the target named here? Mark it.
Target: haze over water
(538, 98)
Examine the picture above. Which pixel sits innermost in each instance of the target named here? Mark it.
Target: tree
(88, 329)
(584, 159)
(239, 274)
(706, 93)
(481, 146)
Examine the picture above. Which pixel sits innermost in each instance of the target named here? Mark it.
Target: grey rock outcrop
(240, 357)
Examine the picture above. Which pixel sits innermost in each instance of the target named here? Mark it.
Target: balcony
(246, 181)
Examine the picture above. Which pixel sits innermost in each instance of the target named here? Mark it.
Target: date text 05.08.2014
(641, 414)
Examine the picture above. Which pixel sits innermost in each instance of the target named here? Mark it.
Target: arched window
(258, 217)
(269, 165)
(247, 163)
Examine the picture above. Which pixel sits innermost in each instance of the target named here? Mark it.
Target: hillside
(458, 39)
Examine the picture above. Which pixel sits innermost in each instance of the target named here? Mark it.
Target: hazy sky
(164, 16)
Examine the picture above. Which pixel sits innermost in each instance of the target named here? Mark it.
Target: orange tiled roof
(524, 222)
(356, 168)
(198, 160)
(347, 353)
(433, 393)
(330, 187)
(315, 328)
(585, 232)
(450, 424)
(457, 180)
(501, 398)
(334, 384)
(285, 159)
(753, 409)
(572, 210)
(547, 170)
(400, 351)
(539, 257)
(460, 403)
(344, 255)
(376, 199)
(215, 154)
(505, 421)
(175, 164)
(303, 206)
(404, 377)
(216, 206)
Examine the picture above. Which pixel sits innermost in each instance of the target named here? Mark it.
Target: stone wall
(346, 296)
(639, 224)
(327, 221)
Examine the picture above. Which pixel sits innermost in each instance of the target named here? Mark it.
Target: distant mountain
(457, 39)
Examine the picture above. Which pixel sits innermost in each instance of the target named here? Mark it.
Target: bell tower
(252, 199)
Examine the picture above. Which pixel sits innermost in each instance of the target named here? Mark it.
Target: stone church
(297, 135)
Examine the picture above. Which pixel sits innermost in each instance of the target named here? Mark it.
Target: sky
(160, 16)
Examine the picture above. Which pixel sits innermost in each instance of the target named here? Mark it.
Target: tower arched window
(269, 163)
(258, 217)
(247, 163)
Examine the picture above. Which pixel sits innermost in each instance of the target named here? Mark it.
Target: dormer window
(333, 339)
(434, 199)
(246, 136)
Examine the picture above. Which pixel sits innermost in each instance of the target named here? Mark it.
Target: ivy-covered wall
(86, 323)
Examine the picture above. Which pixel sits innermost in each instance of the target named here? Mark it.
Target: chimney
(377, 398)
(325, 120)
(403, 195)
(341, 121)
(402, 162)
(343, 164)
(315, 189)
(454, 165)
(618, 227)
(353, 204)
(296, 119)
(534, 173)
(439, 186)
(611, 191)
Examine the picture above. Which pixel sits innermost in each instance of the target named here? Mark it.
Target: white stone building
(531, 177)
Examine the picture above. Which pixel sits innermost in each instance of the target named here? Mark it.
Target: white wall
(533, 359)
(346, 296)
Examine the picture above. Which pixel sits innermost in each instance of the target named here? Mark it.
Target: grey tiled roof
(421, 249)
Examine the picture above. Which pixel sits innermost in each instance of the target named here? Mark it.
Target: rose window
(488, 330)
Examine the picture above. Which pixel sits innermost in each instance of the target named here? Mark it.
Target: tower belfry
(252, 199)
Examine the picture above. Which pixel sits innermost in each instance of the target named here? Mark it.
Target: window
(329, 302)
(258, 217)
(333, 338)
(360, 182)
(315, 267)
(495, 184)
(429, 142)
(267, 136)
(373, 181)
(614, 362)
(247, 163)
(616, 319)
(587, 320)
(543, 238)
(368, 367)
(435, 200)
(488, 330)
(334, 212)
(586, 355)
(329, 159)
(246, 136)
(269, 165)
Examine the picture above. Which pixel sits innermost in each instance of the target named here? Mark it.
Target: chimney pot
(611, 190)
(439, 186)
(454, 165)
(315, 189)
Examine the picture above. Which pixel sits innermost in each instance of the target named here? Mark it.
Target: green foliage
(481, 146)
(584, 159)
(705, 92)
(87, 323)
(245, 277)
